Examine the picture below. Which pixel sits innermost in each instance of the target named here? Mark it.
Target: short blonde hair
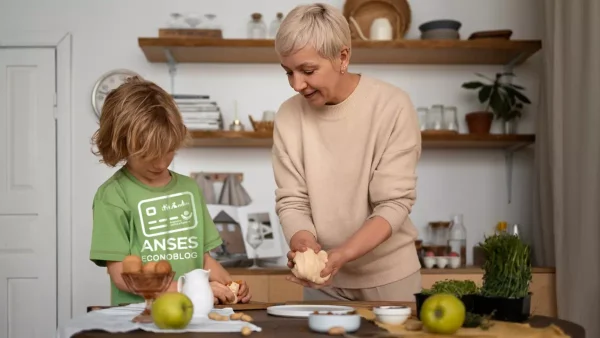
(139, 119)
(319, 25)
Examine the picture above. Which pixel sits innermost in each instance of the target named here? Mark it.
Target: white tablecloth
(118, 319)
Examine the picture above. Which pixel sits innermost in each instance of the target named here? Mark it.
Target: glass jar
(457, 238)
(422, 115)
(274, 27)
(435, 117)
(256, 27)
(450, 119)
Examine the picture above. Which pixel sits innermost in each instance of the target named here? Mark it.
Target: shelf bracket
(508, 160)
(508, 68)
(172, 68)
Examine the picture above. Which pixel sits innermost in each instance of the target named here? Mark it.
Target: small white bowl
(394, 315)
(454, 262)
(429, 262)
(323, 321)
(441, 262)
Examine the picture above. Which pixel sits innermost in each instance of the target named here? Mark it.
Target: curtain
(566, 233)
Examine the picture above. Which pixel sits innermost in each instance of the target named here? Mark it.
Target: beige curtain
(566, 233)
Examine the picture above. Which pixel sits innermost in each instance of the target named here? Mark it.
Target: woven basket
(361, 13)
(261, 125)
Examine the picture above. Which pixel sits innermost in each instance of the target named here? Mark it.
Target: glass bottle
(457, 238)
(256, 27)
(274, 27)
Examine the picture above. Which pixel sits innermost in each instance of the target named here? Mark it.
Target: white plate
(302, 311)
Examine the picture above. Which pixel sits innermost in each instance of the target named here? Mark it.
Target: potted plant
(502, 99)
(506, 278)
(465, 290)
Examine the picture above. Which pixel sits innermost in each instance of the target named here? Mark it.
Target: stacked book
(198, 112)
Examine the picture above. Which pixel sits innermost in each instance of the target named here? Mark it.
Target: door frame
(61, 42)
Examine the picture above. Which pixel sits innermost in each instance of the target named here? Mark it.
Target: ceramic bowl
(323, 321)
(454, 262)
(441, 261)
(429, 262)
(437, 24)
(394, 315)
(440, 34)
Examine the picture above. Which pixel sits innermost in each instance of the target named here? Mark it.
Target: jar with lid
(274, 27)
(256, 27)
(438, 238)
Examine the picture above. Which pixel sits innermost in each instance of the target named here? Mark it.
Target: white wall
(105, 37)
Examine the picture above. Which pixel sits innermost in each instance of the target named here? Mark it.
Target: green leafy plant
(507, 267)
(504, 99)
(458, 288)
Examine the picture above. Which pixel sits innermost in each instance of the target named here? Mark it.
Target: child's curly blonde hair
(139, 119)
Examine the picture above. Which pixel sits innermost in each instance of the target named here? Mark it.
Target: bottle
(256, 27)
(274, 27)
(457, 239)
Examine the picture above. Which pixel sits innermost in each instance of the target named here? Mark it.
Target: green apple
(172, 310)
(443, 313)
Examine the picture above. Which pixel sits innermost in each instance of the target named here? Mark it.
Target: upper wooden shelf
(449, 52)
(265, 140)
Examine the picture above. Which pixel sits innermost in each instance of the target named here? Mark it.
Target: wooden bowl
(261, 126)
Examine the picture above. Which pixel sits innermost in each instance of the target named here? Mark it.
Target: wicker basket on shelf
(261, 126)
(361, 13)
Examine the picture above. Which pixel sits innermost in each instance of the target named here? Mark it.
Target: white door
(27, 193)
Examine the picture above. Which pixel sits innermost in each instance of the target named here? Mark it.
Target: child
(145, 209)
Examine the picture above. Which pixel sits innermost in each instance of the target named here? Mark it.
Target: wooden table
(273, 326)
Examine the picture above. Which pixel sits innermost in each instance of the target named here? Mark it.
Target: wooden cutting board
(248, 306)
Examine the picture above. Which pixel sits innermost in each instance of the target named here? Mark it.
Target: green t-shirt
(155, 223)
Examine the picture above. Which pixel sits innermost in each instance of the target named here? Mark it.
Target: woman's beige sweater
(338, 165)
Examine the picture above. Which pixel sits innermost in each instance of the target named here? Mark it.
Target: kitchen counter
(270, 284)
(459, 271)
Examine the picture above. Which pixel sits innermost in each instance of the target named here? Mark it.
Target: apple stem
(439, 313)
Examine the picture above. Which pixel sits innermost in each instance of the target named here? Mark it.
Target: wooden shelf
(449, 52)
(460, 141)
(231, 139)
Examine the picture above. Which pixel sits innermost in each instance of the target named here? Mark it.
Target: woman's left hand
(244, 295)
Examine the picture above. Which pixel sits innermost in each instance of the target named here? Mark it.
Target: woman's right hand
(301, 241)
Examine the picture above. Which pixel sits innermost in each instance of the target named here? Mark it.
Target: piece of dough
(235, 288)
(308, 265)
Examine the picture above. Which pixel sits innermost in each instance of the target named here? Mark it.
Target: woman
(345, 153)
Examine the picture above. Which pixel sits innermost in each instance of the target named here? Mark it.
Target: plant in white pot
(502, 99)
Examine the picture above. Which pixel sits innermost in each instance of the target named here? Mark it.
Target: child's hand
(244, 295)
(221, 293)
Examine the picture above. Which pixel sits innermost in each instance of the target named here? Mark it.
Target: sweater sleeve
(291, 195)
(392, 189)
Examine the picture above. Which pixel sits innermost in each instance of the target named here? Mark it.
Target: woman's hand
(221, 293)
(244, 295)
(336, 258)
(301, 241)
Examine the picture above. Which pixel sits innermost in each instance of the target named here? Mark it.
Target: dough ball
(235, 288)
(308, 265)
(132, 264)
(149, 267)
(163, 267)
